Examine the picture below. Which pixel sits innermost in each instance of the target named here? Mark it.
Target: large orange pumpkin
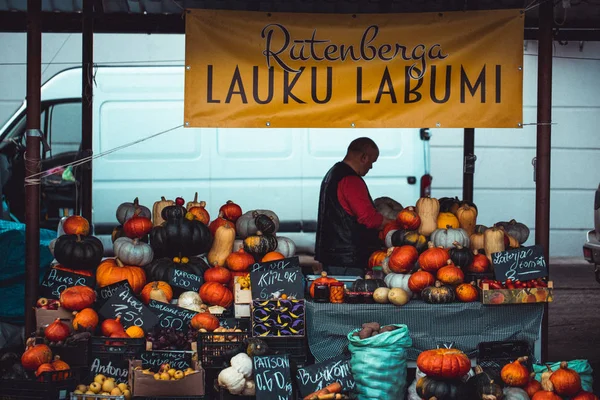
(408, 219)
(216, 294)
(433, 258)
(480, 263)
(467, 293)
(217, 274)
(240, 261)
(112, 270)
(85, 320)
(76, 298)
(450, 274)
(272, 256)
(76, 225)
(150, 291)
(205, 321)
(444, 363)
(565, 380)
(45, 367)
(402, 259)
(35, 356)
(376, 258)
(420, 280)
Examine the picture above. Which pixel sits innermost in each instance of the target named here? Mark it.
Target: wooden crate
(517, 296)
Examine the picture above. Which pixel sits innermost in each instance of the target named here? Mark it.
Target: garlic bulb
(189, 299)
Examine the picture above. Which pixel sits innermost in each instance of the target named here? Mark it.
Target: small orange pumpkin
(239, 261)
(533, 386)
(135, 332)
(480, 263)
(467, 293)
(158, 290)
(137, 226)
(60, 365)
(76, 298)
(216, 294)
(110, 326)
(76, 225)
(35, 356)
(85, 320)
(402, 259)
(583, 395)
(230, 211)
(272, 256)
(433, 258)
(450, 274)
(420, 280)
(408, 219)
(57, 331)
(545, 395)
(447, 219)
(112, 270)
(565, 380)
(205, 321)
(376, 258)
(217, 274)
(444, 363)
(515, 373)
(200, 213)
(218, 222)
(322, 280)
(390, 226)
(45, 367)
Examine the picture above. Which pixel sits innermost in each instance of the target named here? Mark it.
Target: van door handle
(411, 180)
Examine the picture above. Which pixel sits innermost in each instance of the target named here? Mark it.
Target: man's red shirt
(354, 197)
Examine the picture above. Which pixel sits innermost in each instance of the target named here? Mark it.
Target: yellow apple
(77, 391)
(178, 375)
(157, 376)
(171, 371)
(122, 386)
(99, 378)
(89, 392)
(188, 371)
(116, 392)
(82, 388)
(165, 376)
(127, 394)
(108, 385)
(95, 387)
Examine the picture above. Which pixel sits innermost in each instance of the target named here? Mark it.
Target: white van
(277, 169)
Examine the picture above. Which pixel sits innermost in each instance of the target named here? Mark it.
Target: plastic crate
(76, 356)
(18, 389)
(95, 397)
(295, 347)
(173, 398)
(128, 347)
(492, 356)
(216, 348)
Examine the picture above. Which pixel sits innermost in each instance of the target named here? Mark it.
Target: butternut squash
(477, 241)
(493, 242)
(467, 218)
(428, 209)
(157, 210)
(222, 245)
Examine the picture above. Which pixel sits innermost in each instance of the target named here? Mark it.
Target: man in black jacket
(348, 223)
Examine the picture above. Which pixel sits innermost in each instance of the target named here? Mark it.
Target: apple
(99, 378)
(95, 387)
(188, 371)
(157, 376)
(89, 392)
(164, 367)
(165, 376)
(82, 388)
(122, 386)
(179, 201)
(171, 372)
(127, 394)
(116, 392)
(77, 391)
(41, 302)
(108, 385)
(179, 375)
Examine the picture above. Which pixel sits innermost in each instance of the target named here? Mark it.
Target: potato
(355, 333)
(386, 328)
(373, 325)
(375, 333)
(365, 333)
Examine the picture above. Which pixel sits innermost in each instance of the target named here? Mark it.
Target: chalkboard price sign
(276, 264)
(272, 377)
(56, 280)
(317, 376)
(111, 368)
(106, 292)
(132, 311)
(272, 283)
(176, 359)
(171, 316)
(185, 280)
(524, 263)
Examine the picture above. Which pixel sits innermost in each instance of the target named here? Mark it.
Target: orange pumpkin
(134, 332)
(216, 294)
(230, 211)
(402, 259)
(35, 356)
(515, 373)
(408, 219)
(205, 321)
(376, 259)
(60, 365)
(46, 367)
(85, 320)
(467, 293)
(583, 395)
(447, 219)
(533, 386)
(239, 261)
(83, 272)
(76, 225)
(112, 270)
(433, 258)
(566, 381)
(76, 298)
(217, 274)
(218, 222)
(322, 280)
(390, 226)
(110, 326)
(450, 274)
(157, 290)
(545, 395)
(272, 256)
(444, 363)
(57, 331)
(420, 280)
(200, 213)
(480, 263)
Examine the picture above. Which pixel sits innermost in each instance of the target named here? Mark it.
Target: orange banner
(448, 70)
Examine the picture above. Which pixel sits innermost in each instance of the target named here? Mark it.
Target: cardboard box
(241, 296)
(145, 385)
(44, 317)
(517, 296)
(242, 310)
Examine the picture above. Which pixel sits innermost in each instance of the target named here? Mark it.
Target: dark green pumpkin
(259, 245)
(448, 203)
(264, 223)
(461, 256)
(160, 268)
(367, 285)
(180, 237)
(484, 384)
(78, 252)
(173, 212)
(428, 388)
(410, 238)
(438, 294)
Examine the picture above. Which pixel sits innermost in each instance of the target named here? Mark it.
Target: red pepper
(510, 284)
(495, 285)
(541, 283)
(533, 283)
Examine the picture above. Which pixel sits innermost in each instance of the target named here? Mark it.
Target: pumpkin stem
(523, 359)
(438, 284)
(119, 262)
(512, 222)
(478, 370)
(457, 245)
(229, 202)
(196, 197)
(136, 241)
(162, 198)
(430, 245)
(564, 365)
(136, 202)
(203, 204)
(78, 237)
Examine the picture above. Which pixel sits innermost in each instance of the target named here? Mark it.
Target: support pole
(32, 161)
(468, 164)
(544, 117)
(87, 74)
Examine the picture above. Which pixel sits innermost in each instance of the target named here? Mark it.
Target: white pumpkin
(232, 380)
(514, 393)
(238, 244)
(133, 251)
(393, 280)
(286, 246)
(243, 364)
(388, 238)
(446, 237)
(387, 207)
(189, 299)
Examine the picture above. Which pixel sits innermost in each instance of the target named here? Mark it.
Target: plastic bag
(582, 367)
(379, 364)
(412, 389)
